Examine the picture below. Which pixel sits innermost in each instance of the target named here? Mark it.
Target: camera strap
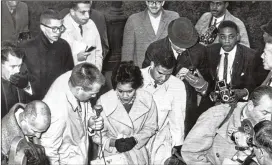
(232, 107)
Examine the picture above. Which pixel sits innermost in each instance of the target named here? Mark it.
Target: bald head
(38, 115)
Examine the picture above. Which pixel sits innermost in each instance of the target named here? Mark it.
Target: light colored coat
(139, 33)
(170, 99)
(66, 141)
(203, 24)
(79, 43)
(140, 122)
(206, 144)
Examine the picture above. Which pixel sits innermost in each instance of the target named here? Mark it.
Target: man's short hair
(85, 75)
(228, 24)
(163, 57)
(49, 14)
(259, 92)
(127, 72)
(263, 136)
(9, 48)
(74, 4)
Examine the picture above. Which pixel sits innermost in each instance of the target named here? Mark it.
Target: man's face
(228, 37)
(47, 29)
(267, 57)
(86, 95)
(125, 92)
(160, 74)
(262, 156)
(35, 128)
(12, 4)
(154, 7)
(260, 112)
(11, 66)
(81, 13)
(218, 8)
(267, 38)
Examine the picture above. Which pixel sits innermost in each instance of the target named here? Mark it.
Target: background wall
(252, 13)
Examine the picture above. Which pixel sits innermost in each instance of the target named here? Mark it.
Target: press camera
(222, 93)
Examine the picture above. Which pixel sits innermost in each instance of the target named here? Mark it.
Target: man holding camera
(82, 34)
(231, 68)
(220, 131)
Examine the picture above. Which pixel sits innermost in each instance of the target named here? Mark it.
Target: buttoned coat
(170, 98)
(140, 122)
(204, 22)
(208, 145)
(11, 31)
(139, 33)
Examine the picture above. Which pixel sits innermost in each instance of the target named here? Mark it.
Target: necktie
(214, 23)
(13, 13)
(81, 30)
(225, 75)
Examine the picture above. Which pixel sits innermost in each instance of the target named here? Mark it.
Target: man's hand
(182, 72)
(82, 56)
(96, 123)
(19, 80)
(35, 154)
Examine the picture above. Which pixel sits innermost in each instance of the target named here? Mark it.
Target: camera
(222, 93)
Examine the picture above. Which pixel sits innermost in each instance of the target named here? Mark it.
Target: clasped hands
(96, 123)
(123, 144)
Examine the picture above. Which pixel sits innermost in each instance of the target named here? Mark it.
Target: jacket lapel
(267, 78)
(138, 109)
(115, 110)
(162, 25)
(214, 59)
(147, 25)
(238, 63)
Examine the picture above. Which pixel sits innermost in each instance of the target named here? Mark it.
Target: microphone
(98, 109)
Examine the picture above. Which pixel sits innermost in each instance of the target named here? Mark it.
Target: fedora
(267, 27)
(182, 33)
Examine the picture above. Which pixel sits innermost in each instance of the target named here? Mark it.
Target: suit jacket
(197, 59)
(268, 78)
(141, 123)
(10, 31)
(242, 69)
(203, 24)
(208, 145)
(139, 33)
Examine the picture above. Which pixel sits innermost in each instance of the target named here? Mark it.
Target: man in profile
(26, 121)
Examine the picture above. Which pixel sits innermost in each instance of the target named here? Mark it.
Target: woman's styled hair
(127, 72)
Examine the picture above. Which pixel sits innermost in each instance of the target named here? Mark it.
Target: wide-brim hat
(267, 27)
(182, 33)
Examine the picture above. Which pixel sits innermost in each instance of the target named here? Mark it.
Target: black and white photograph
(136, 82)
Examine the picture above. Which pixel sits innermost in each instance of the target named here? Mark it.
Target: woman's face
(125, 92)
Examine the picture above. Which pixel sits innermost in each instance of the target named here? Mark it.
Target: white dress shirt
(220, 68)
(155, 22)
(218, 20)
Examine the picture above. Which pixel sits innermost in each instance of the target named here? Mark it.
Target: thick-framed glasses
(154, 2)
(56, 29)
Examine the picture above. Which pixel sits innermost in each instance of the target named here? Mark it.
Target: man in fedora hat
(231, 68)
(191, 64)
(267, 53)
(207, 25)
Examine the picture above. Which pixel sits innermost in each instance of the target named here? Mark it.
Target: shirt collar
(232, 52)
(74, 23)
(219, 19)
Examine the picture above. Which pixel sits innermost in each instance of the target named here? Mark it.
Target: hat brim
(178, 42)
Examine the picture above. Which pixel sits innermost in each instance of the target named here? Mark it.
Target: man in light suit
(267, 55)
(207, 25)
(14, 19)
(82, 35)
(144, 28)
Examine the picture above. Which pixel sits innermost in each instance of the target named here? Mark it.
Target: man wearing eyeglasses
(143, 28)
(207, 25)
(82, 34)
(47, 55)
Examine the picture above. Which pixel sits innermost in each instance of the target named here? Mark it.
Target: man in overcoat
(143, 28)
(207, 144)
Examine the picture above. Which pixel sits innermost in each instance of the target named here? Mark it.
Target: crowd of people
(182, 93)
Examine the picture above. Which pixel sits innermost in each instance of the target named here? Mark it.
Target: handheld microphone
(98, 109)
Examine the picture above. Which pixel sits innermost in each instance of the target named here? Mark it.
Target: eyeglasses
(56, 29)
(154, 2)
